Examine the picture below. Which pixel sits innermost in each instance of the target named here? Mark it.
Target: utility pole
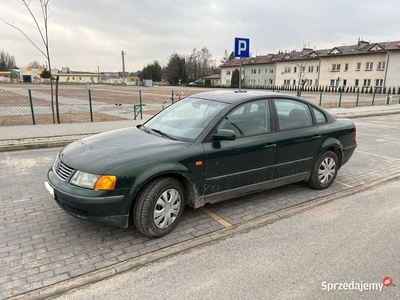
(98, 73)
(123, 64)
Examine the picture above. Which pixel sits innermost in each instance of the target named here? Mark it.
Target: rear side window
(292, 114)
(319, 116)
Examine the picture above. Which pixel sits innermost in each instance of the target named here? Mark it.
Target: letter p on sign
(242, 47)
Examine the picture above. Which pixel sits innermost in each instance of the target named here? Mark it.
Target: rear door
(297, 141)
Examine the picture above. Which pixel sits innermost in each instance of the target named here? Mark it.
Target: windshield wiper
(163, 134)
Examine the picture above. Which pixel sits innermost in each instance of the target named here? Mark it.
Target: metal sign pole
(240, 75)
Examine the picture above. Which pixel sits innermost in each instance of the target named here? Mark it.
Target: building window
(369, 66)
(356, 82)
(258, 81)
(271, 81)
(286, 82)
(334, 82)
(379, 82)
(73, 78)
(272, 71)
(265, 71)
(381, 65)
(310, 69)
(344, 82)
(309, 82)
(358, 66)
(335, 67)
(367, 82)
(294, 69)
(265, 81)
(294, 81)
(228, 82)
(288, 69)
(303, 68)
(68, 78)
(317, 69)
(346, 67)
(228, 72)
(259, 71)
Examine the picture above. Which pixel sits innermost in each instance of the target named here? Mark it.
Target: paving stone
(39, 238)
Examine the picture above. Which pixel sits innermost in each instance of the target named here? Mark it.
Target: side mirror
(225, 135)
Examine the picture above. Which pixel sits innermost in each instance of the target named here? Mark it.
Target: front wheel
(324, 171)
(159, 207)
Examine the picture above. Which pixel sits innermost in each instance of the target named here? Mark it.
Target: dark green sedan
(205, 148)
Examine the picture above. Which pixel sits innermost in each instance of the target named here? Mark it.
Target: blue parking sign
(242, 47)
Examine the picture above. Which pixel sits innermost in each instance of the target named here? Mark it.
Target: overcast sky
(84, 33)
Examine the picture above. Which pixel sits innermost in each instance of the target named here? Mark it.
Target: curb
(61, 143)
(135, 263)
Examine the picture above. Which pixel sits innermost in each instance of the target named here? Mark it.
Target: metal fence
(75, 104)
(80, 103)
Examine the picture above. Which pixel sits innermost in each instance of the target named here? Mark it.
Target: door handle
(269, 146)
(316, 137)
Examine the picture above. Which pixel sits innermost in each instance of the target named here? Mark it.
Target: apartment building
(393, 64)
(260, 71)
(297, 68)
(362, 65)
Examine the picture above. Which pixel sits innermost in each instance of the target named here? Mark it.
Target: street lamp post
(123, 64)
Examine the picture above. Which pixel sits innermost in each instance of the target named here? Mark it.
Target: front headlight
(83, 179)
(95, 182)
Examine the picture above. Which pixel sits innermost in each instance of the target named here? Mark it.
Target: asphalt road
(354, 239)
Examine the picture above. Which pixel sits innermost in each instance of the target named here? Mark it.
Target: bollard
(340, 97)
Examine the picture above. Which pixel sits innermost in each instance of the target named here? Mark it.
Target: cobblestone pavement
(41, 245)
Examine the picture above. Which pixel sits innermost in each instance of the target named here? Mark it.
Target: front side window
(292, 114)
(248, 119)
(369, 66)
(287, 69)
(358, 66)
(185, 120)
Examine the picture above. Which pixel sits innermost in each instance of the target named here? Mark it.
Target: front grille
(62, 170)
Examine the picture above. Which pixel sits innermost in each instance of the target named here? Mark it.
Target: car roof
(231, 96)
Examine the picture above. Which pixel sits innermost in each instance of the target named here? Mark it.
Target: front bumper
(109, 210)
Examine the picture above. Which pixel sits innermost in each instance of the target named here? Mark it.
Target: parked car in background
(205, 148)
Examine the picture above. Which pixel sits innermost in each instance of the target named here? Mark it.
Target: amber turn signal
(105, 183)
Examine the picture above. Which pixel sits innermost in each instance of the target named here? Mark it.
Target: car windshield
(184, 120)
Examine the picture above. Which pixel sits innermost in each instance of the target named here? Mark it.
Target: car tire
(159, 207)
(324, 172)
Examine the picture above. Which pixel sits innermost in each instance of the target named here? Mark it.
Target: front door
(246, 164)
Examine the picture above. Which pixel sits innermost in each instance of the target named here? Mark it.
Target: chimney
(362, 44)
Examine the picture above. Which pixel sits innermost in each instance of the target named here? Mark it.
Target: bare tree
(36, 65)
(43, 32)
(302, 64)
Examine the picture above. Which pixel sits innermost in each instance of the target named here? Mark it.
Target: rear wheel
(324, 171)
(159, 207)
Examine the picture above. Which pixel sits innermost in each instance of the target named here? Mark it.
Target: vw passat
(205, 148)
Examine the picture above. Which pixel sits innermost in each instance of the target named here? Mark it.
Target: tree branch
(34, 18)
(11, 25)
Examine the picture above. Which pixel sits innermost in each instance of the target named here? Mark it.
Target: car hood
(99, 153)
